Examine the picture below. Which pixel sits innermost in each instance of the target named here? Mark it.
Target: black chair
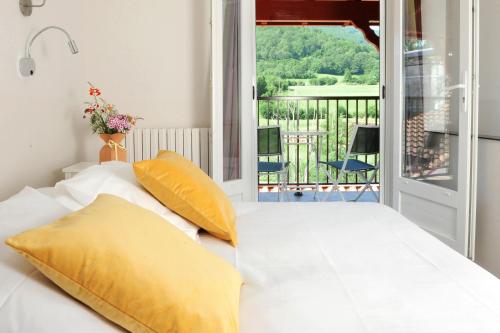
(365, 141)
(270, 144)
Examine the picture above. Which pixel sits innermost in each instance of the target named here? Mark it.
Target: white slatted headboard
(192, 143)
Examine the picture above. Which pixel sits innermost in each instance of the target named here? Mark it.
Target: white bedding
(336, 267)
(355, 267)
(29, 302)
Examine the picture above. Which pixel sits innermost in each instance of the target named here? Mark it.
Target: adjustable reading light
(27, 64)
(27, 6)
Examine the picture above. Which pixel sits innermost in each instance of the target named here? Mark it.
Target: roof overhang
(358, 13)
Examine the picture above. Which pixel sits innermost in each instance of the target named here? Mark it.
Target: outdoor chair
(270, 144)
(365, 141)
(429, 157)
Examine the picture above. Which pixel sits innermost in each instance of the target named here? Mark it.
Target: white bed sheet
(355, 267)
(29, 302)
(316, 267)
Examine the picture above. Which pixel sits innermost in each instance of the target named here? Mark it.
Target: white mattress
(355, 267)
(344, 267)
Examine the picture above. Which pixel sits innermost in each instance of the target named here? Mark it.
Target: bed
(307, 267)
(355, 267)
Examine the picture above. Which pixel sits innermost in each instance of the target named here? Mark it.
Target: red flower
(94, 91)
(91, 109)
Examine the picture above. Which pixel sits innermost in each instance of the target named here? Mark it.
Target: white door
(234, 164)
(433, 117)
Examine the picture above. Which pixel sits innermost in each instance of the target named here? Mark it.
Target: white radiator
(192, 143)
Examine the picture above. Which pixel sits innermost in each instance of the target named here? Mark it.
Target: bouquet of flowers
(104, 117)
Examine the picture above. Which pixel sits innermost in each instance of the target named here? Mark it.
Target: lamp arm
(32, 6)
(28, 49)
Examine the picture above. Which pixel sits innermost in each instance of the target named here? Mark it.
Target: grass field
(339, 89)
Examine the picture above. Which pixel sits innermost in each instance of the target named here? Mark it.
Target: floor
(268, 194)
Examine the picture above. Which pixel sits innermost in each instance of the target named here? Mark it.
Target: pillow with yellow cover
(187, 190)
(130, 266)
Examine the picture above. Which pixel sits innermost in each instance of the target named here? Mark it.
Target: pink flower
(119, 123)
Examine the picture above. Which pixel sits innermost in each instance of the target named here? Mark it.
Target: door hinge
(253, 93)
(383, 92)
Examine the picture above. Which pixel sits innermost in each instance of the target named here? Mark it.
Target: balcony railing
(336, 115)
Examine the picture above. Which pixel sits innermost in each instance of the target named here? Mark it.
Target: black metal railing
(335, 115)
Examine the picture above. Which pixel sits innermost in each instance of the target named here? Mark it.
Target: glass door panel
(433, 91)
(233, 134)
(231, 90)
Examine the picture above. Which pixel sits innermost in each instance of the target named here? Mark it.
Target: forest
(299, 56)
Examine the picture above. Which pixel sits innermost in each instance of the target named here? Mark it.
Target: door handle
(465, 87)
(456, 86)
(465, 98)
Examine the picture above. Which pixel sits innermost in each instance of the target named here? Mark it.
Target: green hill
(297, 56)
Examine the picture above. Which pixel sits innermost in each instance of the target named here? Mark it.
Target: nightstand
(74, 169)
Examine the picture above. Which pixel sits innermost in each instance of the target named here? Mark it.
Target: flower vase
(113, 150)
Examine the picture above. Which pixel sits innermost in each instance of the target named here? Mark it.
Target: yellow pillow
(187, 190)
(129, 265)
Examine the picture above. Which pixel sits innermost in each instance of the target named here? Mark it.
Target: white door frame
(431, 192)
(383, 106)
(249, 124)
(475, 130)
(244, 189)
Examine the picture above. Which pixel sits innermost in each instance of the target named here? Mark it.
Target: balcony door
(233, 108)
(433, 122)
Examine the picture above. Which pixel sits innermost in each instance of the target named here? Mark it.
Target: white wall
(488, 200)
(151, 58)
(488, 207)
(489, 71)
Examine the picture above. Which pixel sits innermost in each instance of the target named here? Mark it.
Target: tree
(348, 76)
(300, 53)
(372, 78)
(261, 86)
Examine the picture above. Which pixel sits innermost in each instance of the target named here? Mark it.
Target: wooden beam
(316, 11)
(360, 14)
(369, 34)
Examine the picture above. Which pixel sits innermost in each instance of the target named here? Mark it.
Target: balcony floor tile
(308, 196)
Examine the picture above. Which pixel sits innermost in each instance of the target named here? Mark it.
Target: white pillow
(29, 302)
(62, 196)
(119, 179)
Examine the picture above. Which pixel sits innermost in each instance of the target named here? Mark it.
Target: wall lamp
(27, 6)
(27, 64)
